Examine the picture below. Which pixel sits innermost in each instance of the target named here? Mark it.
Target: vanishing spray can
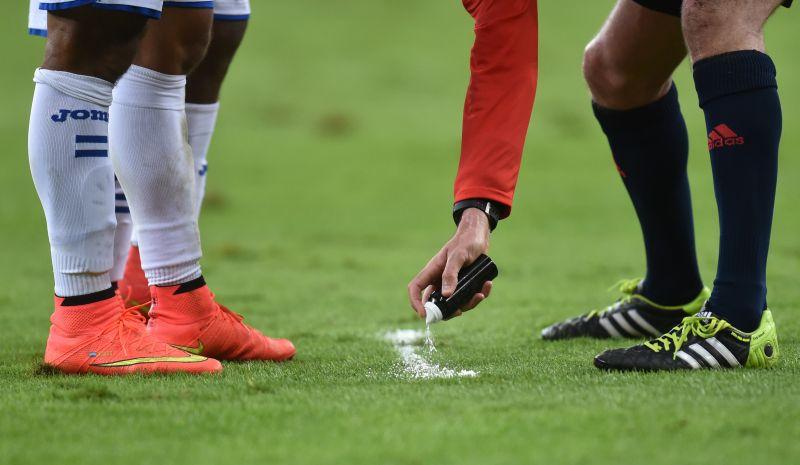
(470, 281)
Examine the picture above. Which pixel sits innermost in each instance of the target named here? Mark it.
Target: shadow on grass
(96, 393)
(70, 387)
(43, 370)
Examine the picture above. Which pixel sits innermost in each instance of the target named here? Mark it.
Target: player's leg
(87, 49)
(202, 105)
(203, 89)
(151, 96)
(37, 25)
(122, 237)
(153, 161)
(736, 85)
(629, 63)
(150, 138)
(628, 68)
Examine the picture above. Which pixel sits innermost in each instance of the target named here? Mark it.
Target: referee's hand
(470, 240)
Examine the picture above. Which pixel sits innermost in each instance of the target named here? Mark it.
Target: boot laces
(231, 315)
(701, 326)
(129, 291)
(130, 330)
(626, 287)
(228, 314)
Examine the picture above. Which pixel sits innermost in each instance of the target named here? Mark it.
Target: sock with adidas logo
(738, 93)
(650, 147)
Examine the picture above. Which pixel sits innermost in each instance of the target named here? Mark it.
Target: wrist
(474, 219)
(492, 210)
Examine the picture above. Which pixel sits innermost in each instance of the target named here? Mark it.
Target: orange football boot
(133, 286)
(105, 338)
(188, 317)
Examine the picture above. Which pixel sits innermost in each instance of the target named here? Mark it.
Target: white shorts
(224, 10)
(231, 10)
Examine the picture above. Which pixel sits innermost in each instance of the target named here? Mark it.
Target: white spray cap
(432, 313)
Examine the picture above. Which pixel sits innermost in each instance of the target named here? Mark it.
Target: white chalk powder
(407, 343)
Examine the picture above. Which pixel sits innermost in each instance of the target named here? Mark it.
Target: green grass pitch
(330, 185)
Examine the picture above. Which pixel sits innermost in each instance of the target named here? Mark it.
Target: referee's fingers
(414, 293)
(455, 262)
(430, 275)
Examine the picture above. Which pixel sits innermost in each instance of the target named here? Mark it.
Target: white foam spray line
(407, 343)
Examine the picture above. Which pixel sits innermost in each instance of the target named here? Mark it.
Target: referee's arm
(497, 111)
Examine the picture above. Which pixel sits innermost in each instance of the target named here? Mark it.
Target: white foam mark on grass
(407, 343)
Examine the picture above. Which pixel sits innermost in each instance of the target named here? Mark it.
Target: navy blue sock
(650, 147)
(739, 96)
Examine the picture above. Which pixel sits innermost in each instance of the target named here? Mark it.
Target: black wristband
(491, 209)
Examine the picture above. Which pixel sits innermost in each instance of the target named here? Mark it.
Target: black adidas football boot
(632, 316)
(700, 341)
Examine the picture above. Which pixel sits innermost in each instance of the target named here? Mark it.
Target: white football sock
(122, 237)
(201, 119)
(154, 165)
(68, 152)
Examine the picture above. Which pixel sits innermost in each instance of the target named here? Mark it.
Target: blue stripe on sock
(119, 196)
(91, 153)
(122, 210)
(37, 32)
(91, 139)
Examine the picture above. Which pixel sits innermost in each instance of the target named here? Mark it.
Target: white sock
(68, 151)
(201, 119)
(122, 237)
(154, 165)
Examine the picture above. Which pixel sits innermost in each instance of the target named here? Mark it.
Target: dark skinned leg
(186, 32)
(204, 83)
(92, 42)
(202, 95)
(87, 50)
(157, 172)
(176, 43)
(152, 157)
